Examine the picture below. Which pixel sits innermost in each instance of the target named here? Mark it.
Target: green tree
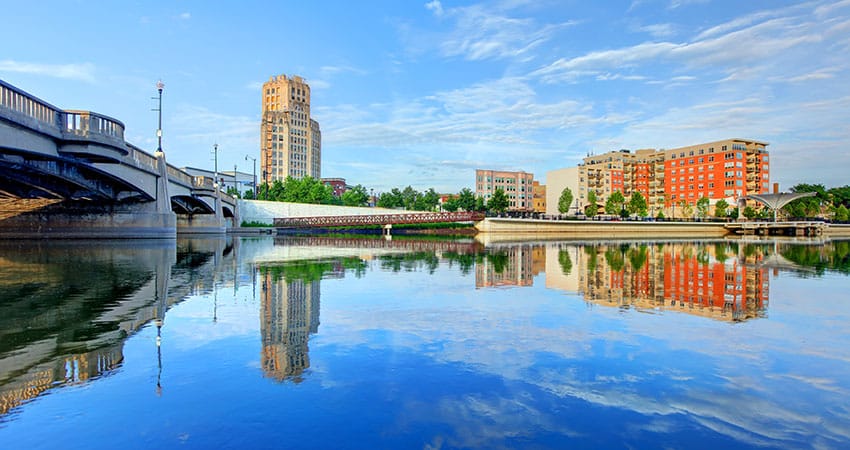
(720, 208)
(248, 195)
(480, 205)
(392, 199)
(498, 202)
(451, 204)
(842, 214)
(565, 201)
(427, 201)
(839, 196)
(809, 206)
(409, 196)
(466, 200)
(702, 207)
(614, 204)
(355, 196)
(275, 191)
(590, 210)
(750, 212)
(637, 205)
(733, 213)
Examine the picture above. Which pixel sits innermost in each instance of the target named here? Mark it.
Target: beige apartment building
(726, 169)
(290, 140)
(517, 186)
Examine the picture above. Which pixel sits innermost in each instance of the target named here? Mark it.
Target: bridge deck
(376, 219)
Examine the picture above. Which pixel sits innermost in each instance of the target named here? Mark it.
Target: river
(361, 342)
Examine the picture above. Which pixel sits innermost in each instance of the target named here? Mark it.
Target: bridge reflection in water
(66, 309)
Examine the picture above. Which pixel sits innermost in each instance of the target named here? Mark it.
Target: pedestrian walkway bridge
(376, 219)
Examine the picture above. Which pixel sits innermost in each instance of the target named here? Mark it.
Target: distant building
(240, 181)
(337, 184)
(290, 140)
(517, 186)
(556, 182)
(538, 195)
(726, 169)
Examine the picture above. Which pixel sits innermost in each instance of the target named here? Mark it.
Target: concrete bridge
(70, 174)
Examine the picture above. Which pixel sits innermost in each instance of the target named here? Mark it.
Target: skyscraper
(290, 141)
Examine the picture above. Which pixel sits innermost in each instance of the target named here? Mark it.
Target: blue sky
(425, 92)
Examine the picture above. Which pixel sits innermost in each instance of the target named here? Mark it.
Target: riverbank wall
(600, 229)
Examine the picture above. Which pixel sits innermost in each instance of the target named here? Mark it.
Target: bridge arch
(773, 201)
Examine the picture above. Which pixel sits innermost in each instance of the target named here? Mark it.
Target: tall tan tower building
(290, 141)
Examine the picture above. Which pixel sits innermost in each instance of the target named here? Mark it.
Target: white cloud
(79, 72)
(435, 6)
(731, 50)
(185, 16)
(659, 30)
(679, 3)
(479, 33)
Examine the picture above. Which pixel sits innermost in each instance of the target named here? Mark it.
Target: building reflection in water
(515, 265)
(289, 314)
(719, 280)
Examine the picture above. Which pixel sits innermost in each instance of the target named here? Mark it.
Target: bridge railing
(203, 182)
(378, 219)
(175, 174)
(23, 103)
(86, 124)
(142, 158)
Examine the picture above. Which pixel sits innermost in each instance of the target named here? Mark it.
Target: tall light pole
(254, 187)
(215, 171)
(159, 87)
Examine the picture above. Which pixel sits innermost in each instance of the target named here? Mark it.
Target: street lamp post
(215, 170)
(254, 187)
(159, 87)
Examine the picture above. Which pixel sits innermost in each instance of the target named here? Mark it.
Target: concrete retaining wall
(265, 211)
(838, 230)
(600, 229)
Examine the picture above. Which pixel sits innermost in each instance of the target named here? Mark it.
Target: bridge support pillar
(204, 223)
(387, 231)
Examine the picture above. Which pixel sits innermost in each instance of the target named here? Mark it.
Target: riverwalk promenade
(653, 229)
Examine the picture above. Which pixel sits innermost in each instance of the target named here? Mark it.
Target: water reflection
(490, 326)
(67, 308)
(289, 313)
(721, 280)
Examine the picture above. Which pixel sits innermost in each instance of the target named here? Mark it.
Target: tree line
(305, 190)
(311, 190)
(830, 203)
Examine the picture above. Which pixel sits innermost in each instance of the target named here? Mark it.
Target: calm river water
(412, 343)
